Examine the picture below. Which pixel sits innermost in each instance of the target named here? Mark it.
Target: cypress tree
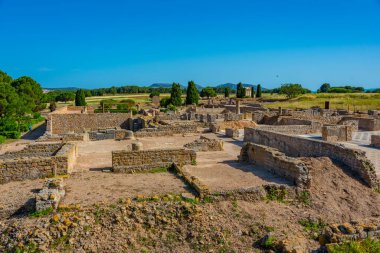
(192, 95)
(175, 95)
(227, 92)
(258, 95)
(80, 98)
(240, 91)
(252, 93)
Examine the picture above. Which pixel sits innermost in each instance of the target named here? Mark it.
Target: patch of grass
(206, 200)
(304, 197)
(269, 242)
(37, 214)
(276, 194)
(194, 162)
(377, 190)
(365, 246)
(312, 226)
(154, 170)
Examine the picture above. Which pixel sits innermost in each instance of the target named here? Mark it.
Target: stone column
(327, 105)
(279, 110)
(237, 106)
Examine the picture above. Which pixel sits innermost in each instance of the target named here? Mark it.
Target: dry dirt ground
(221, 171)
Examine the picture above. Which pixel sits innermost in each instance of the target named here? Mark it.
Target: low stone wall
(355, 160)
(133, 161)
(292, 130)
(277, 162)
(21, 166)
(194, 182)
(375, 141)
(205, 143)
(336, 133)
(63, 137)
(353, 123)
(34, 150)
(166, 130)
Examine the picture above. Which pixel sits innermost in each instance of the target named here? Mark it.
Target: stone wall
(293, 130)
(277, 162)
(166, 130)
(232, 133)
(132, 161)
(62, 137)
(336, 133)
(23, 165)
(80, 123)
(355, 160)
(366, 124)
(375, 141)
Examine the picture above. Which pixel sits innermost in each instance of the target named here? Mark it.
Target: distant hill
(169, 85)
(232, 86)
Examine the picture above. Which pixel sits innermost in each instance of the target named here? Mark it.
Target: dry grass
(351, 101)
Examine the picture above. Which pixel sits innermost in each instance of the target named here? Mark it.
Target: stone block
(232, 133)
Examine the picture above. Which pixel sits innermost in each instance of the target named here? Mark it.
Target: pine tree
(175, 95)
(192, 95)
(258, 95)
(80, 98)
(227, 92)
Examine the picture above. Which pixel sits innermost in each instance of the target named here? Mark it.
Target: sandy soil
(337, 195)
(16, 197)
(88, 188)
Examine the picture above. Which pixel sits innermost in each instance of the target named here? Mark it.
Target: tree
(65, 96)
(192, 94)
(258, 94)
(53, 106)
(30, 93)
(9, 100)
(175, 95)
(208, 92)
(292, 90)
(4, 78)
(227, 92)
(253, 93)
(240, 91)
(154, 92)
(324, 88)
(80, 98)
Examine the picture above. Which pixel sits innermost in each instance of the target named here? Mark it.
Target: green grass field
(351, 101)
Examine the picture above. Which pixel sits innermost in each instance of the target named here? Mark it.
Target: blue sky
(92, 43)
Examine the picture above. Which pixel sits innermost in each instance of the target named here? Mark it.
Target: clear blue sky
(97, 43)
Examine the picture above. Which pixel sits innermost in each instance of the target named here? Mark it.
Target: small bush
(312, 226)
(2, 139)
(269, 242)
(42, 213)
(304, 197)
(276, 194)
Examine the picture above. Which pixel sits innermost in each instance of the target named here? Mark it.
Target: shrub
(2, 139)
